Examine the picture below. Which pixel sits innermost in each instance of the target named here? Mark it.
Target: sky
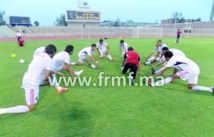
(46, 11)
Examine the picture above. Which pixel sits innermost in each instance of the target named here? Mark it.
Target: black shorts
(133, 68)
(178, 36)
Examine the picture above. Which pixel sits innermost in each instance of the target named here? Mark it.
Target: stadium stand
(6, 32)
(194, 29)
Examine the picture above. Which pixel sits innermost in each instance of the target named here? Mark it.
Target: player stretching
(39, 68)
(88, 51)
(175, 52)
(123, 47)
(184, 69)
(131, 61)
(61, 61)
(103, 48)
(158, 56)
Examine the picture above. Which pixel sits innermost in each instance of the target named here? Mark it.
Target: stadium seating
(166, 30)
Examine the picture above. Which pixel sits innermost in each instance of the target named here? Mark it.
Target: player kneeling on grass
(131, 61)
(175, 52)
(123, 47)
(61, 61)
(88, 51)
(103, 48)
(158, 56)
(39, 68)
(184, 69)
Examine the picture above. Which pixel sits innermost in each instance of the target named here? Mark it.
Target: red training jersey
(21, 42)
(178, 32)
(132, 57)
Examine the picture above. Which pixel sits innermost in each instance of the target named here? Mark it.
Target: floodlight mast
(212, 12)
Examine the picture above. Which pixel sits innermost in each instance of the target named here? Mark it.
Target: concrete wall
(83, 24)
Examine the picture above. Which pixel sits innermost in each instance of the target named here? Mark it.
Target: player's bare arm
(161, 72)
(69, 69)
(158, 64)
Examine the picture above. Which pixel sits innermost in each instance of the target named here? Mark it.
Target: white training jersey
(86, 52)
(103, 46)
(177, 52)
(159, 49)
(181, 63)
(124, 48)
(38, 51)
(60, 59)
(18, 34)
(36, 70)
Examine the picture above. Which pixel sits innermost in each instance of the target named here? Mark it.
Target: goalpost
(147, 32)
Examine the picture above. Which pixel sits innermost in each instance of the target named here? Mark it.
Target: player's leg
(193, 80)
(31, 97)
(108, 55)
(81, 60)
(133, 71)
(101, 53)
(54, 82)
(125, 68)
(150, 60)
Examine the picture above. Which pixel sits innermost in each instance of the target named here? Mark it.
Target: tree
(117, 23)
(36, 23)
(60, 21)
(177, 16)
(2, 21)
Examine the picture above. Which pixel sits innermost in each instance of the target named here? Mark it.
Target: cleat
(213, 89)
(153, 71)
(62, 89)
(112, 60)
(149, 82)
(73, 63)
(78, 73)
(93, 66)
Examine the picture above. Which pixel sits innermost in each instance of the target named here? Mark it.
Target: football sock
(54, 82)
(201, 88)
(17, 109)
(148, 62)
(109, 56)
(73, 63)
(160, 82)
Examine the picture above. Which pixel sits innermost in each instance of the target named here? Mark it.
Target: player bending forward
(175, 52)
(88, 51)
(158, 56)
(39, 68)
(123, 47)
(61, 61)
(184, 69)
(131, 61)
(103, 48)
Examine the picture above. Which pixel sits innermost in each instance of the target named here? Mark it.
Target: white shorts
(58, 68)
(31, 93)
(102, 51)
(190, 75)
(123, 54)
(81, 58)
